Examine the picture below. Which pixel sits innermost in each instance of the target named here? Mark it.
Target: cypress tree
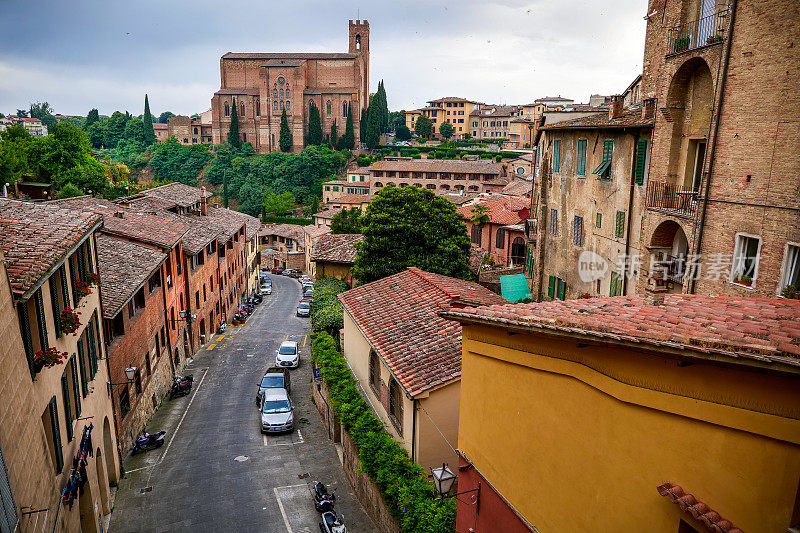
(225, 188)
(362, 125)
(373, 135)
(91, 118)
(314, 126)
(334, 138)
(348, 140)
(149, 132)
(233, 132)
(286, 135)
(383, 107)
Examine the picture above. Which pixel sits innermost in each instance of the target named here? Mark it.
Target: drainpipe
(413, 430)
(632, 187)
(714, 126)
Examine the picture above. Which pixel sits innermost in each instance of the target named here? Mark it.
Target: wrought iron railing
(669, 267)
(667, 197)
(701, 32)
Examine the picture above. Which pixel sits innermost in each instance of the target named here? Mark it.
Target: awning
(699, 510)
(514, 288)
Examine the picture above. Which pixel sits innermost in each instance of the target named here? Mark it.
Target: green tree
(285, 140)
(15, 146)
(279, 204)
(423, 127)
(446, 130)
(383, 108)
(402, 133)
(22, 113)
(114, 129)
(411, 226)
(44, 112)
(69, 191)
(372, 138)
(314, 126)
(347, 221)
(66, 156)
(173, 161)
(91, 118)
(397, 119)
(334, 138)
(149, 136)
(164, 117)
(225, 197)
(233, 131)
(348, 140)
(479, 215)
(135, 131)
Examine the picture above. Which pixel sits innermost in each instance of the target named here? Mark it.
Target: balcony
(669, 268)
(671, 200)
(704, 31)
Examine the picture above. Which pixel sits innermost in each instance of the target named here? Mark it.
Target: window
(395, 405)
(281, 94)
(790, 272)
(344, 109)
(124, 402)
(580, 163)
(281, 80)
(258, 108)
(577, 234)
(53, 433)
(328, 107)
(241, 109)
(197, 299)
(619, 228)
(615, 288)
(554, 222)
(154, 282)
(274, 92)
(275, 106)
(604, 168)
(288, 93)
(500, 238)
(244, 137)
(598, 220)
(556, 155)
(137, 381)
(476, 233)
(227, 109)
(375, 372)
(288, 105)
(641, 162)
(745, 259)
(556, 287)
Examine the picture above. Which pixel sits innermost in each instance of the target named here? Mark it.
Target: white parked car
(288, 355)
(266, 288)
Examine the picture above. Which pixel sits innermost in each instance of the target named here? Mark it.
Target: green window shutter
(56, 434)
(64, 288)
(551, 286)
(619, 230)
(598, 221)
(598, 286)
(67, 404)
(608, 150)
(82, 364)
(641, 156)
(580, 165)
(73, 274)
(99, 346)
(562, 289)
(556, 155)
(41, 321)
(92, 348)
(54, 303)
(25, 330)
(76, 387)
(81, 263)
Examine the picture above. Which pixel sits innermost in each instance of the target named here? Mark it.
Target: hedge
(288, 220)
(403, 483)
(327, 314)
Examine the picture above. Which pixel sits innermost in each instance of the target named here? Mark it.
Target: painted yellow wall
(330, 270)
(578, 439)
(438, 409)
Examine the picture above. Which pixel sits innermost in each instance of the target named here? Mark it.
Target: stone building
(186, 130)
(262, 85)
(333, 256)
(441, 176)
(49, 407)
(724, 172)
(311, 234)
(493, 121)
(502, 235)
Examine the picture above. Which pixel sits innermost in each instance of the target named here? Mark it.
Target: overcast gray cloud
(107, 54)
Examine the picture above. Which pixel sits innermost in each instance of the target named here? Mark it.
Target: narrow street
(217, 471)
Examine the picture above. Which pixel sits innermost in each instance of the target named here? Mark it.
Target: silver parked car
(303, 309)
(277, 414)
(266, 288)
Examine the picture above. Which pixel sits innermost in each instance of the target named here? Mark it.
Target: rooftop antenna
(358, 13)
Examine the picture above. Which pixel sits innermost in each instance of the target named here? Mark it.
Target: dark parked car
(274, 378)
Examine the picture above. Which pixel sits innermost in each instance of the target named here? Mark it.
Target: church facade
(262, 85)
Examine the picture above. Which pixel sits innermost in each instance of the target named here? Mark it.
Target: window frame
(785, 269)
(577, 231)
(556, 158)
(395, 405)
(580, 157)
(738, 239)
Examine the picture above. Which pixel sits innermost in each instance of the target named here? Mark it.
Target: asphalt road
(217, 472)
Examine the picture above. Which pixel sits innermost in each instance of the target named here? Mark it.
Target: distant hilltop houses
(187, 130)
(34, 126)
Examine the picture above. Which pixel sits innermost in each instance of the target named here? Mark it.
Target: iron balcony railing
(667, 197)
(701, 32)
(669, 267)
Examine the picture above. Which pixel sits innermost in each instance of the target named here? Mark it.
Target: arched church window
(344, 109)
(258, 108)
(281, 80)
(281, 93)
(275, 105)
(288, 93)
(358, 42)
(274, 92)
(288, 105)
(241, 109)
(328, 108)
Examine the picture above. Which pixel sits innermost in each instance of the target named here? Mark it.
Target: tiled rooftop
(627, 119)
(503, 210)
(353, 199)
(35, 236)
(202, 230)
(290, 55)
(124, 266)
(763, 329)
(327, 214)
(175, 193)
(518, 188)
(316, 231)
(228, 220)
(336, 248)
(252, 91)
(292, 231)
(399, 316)
(438, 165)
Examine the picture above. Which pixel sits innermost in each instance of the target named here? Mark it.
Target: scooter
(332, 523)
(181, 386)
(222, 327)
(323, 500)
(148, 442)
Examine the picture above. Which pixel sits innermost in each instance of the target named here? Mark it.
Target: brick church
(262, 85)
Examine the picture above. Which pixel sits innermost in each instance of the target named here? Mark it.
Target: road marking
(221, 337)
(283, 511)
(210, 346)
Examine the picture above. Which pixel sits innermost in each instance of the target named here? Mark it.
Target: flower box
(47, 358)
(70, 322)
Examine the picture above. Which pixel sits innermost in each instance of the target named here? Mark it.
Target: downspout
(699, 224)
(413, 430)
(632, 187)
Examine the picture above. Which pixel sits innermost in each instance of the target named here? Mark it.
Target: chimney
(615, 109)
(203, 202)
(648, 107)
(655, 291)
(119, 214)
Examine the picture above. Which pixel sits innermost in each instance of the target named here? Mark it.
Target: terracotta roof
(460, 199)
(699, 510)
(159, 126)
(177, 194)
(328, 213)
(118, 220)
(495, 111)
(439, 165)
(124, 266)
(315, 231)
(336, 248)
(760, 329)
(335, 182)
(292, 231)
(229, 221)
(454, 99)
(34, 237)
(628, 119)
(398, 316)
(252, 226)
(201, 230)
(518, 188)
(284, 62)
(291, 55)
(503, 210)
(552, 99)
(235, 91)
(353, 199)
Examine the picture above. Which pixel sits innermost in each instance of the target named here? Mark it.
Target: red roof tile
(398, 315)
(34, 237)
(699, 510)
(288, 55)
(336, 248)
(503, 210)
(627, 119)
(763, 329)
(352, 199)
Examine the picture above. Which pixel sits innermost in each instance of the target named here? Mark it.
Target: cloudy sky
(107, 54)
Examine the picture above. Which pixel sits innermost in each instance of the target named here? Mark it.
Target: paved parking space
(217, 471)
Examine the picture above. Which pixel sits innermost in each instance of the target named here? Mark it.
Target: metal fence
(677, 200)
(696, 33)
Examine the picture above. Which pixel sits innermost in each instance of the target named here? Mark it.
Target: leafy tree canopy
(285, 140)
(411, 226)
(165, 116)
(279, 204)
(174, 161)
(347, 221)
(69, 191)
(314, 126)
(446, 130)
(402, 133)
(423, 127)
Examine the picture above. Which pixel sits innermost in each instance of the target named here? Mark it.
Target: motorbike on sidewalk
(148, 441)
(181, 386)
(332, 522)
(323, 500)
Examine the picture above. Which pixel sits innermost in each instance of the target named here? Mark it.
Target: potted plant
(791, 291)
(681, 44)
(69, 320)
(584, 296)
(47, 358)
(83, 289)
(93, 278)
(714, 39)
(743, 279)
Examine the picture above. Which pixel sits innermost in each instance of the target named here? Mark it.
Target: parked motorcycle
(148, 441)
(181, 386)
(222, 327)
(332, 523)
(323, 500)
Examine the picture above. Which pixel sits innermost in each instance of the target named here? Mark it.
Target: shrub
(327, 314)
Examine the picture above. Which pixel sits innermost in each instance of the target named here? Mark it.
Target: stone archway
(102, 481)
(518, 251)
(669, 250)
(87, 508)
(109, 452)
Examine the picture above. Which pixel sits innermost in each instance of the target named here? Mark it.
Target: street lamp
(443, 479)
(130, 374)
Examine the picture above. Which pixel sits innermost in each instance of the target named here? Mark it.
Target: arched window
(328, 108)
(500, 238)
(404, 185)
(274, 92)
(374, 371)
(258, 108)
(283, 105)
(241, 109)
(476, 234)
(281, 93)
(288, 105)
(518, 251)
(275, 105)
(344, 109)
(396, 404)
(195, 131)
(445, 187)
(430, 185)
(378, 184)
(288, 93)
(310, 107)
(227, 109)
(358, 42)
